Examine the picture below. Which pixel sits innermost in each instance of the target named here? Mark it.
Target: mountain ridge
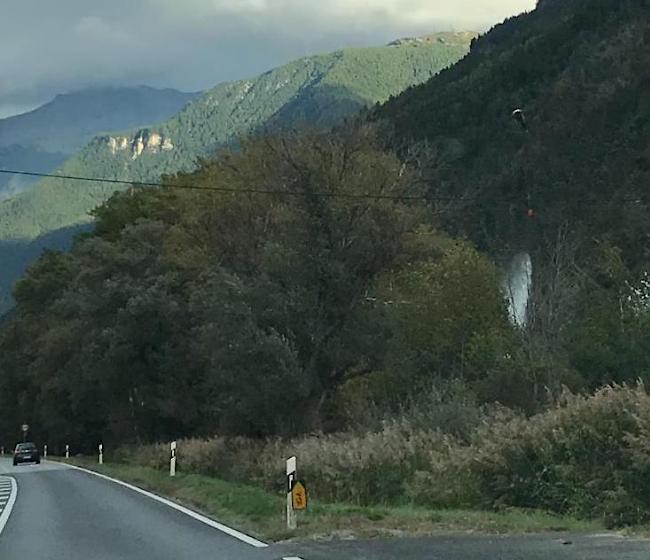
(64, 123)
(42, 139)
(354, 78)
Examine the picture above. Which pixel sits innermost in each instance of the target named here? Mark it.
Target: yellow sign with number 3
(299, 496)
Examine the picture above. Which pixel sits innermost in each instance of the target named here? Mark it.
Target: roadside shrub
(229, 458)
(448, 406)
(587, 455)
(361, 469)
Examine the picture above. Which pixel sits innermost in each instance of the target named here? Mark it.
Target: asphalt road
(65, 514)
(533, 547)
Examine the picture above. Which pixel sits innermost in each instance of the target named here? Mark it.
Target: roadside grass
(261, 513)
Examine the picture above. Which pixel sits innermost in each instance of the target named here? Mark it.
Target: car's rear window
(25, 446)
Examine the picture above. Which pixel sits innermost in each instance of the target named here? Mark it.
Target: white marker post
(172, 460)
(2, 450)
(45, 452)
(101, 454)
(291, 478)
(67, 451)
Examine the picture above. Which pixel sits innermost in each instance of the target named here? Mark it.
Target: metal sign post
(291, 478)
(172, 460)
(25, 429)
(101, 454)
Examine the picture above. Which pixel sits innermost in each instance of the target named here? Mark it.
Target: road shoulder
(255, 511)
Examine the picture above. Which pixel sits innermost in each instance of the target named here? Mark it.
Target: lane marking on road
(5, 509)
(292, 558)
(194, 515)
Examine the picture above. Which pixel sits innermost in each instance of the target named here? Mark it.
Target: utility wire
(232, 190)
(348, 196)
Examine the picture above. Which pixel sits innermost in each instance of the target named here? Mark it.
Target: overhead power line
(233, 190)
(340, 195)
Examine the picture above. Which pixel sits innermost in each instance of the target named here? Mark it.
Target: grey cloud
(51, 46)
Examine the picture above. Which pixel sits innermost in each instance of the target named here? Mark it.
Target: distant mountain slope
(580, 71)
(67, 123)
(318, 89)
(25, 158)
(42, 139)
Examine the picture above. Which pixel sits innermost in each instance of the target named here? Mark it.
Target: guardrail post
(172, 459)
(291, 478)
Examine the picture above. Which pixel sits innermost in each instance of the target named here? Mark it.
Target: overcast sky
(53, 46)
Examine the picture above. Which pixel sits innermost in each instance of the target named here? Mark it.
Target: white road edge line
(202, 518)
(6, 512)
(292, 558)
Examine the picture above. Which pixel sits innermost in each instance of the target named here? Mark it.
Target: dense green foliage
(579, 71)
(569, 187)
(13, 255)
(189, 312)
(318, 90)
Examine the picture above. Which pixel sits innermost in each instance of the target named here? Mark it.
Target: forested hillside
(579, 70)
(190, 312)
(565, 181)
(43, 138)
(315, 91)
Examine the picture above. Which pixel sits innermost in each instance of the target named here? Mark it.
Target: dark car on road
(26, 453)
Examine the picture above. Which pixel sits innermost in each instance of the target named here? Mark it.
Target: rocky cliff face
(141, 142)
